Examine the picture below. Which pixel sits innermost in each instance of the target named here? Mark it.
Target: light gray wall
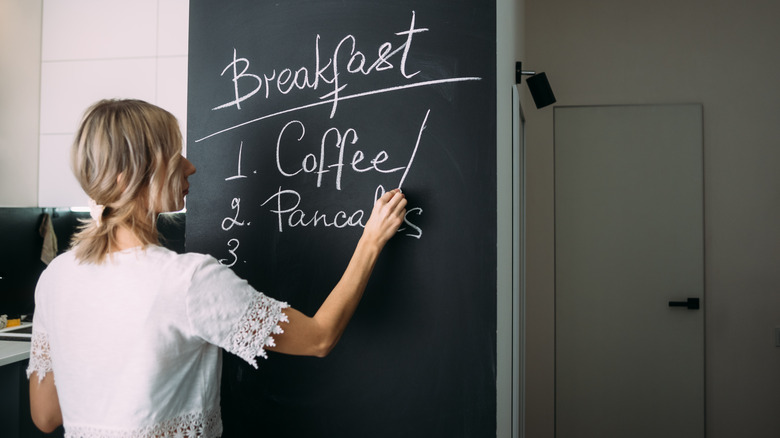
(724, 55)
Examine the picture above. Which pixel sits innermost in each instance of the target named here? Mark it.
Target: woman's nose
(189, 168)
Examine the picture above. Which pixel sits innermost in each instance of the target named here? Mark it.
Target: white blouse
(135, 343)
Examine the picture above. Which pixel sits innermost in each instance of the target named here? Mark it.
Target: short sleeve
(40, 353)
(224, 310)
(40, 357)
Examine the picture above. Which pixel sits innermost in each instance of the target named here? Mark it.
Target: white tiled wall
(20, 63)
(95, 49)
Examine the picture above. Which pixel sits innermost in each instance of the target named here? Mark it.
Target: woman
(133, 332)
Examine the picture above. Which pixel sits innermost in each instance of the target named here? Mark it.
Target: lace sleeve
(225, 310)
(252, 333)
(40, 358)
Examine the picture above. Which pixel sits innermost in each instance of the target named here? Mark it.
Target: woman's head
(127, 157)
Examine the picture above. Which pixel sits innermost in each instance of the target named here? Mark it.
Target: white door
(628, 256)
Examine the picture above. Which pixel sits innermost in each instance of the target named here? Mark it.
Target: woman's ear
(120, 181)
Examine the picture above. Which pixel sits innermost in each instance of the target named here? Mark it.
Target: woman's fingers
(400, 208)
(387, 215)
(395, 206)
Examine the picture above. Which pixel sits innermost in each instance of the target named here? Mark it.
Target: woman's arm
(44, 403)
(317, 335)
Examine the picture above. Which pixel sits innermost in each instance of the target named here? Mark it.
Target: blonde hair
(126, 156)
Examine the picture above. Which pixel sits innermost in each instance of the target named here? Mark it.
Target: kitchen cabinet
(15, 420)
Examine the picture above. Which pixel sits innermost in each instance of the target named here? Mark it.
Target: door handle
(690, 303)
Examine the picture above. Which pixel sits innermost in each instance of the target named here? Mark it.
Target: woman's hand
(387, 215)
(317, 335)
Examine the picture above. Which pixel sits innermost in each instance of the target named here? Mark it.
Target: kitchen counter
(13, 351)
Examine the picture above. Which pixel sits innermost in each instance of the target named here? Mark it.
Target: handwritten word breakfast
(287, 80)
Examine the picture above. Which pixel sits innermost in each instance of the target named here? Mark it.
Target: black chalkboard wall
(302, 112)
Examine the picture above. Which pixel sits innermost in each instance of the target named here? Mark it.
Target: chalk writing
(330, 73)
(351, 96)
(233, 246)
(414, 152)
(333, 154)
(417, 231)
(238, 174)
(285, 205)
(312, 78)
(235, 205)
(312, 163)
